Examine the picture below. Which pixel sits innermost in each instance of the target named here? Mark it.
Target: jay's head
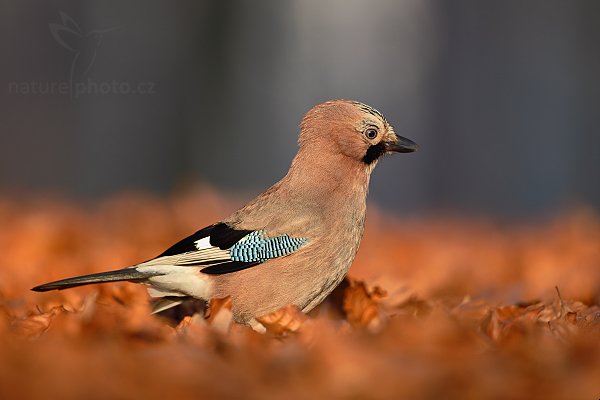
(352, 129)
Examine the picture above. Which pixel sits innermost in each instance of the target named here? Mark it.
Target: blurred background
(503, 96)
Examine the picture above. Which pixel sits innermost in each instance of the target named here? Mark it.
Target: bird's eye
(371, 133)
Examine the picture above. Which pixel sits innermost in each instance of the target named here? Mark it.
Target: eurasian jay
(294, 243)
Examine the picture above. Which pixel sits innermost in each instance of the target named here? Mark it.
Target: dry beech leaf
(36, 324)
(588, 320)
(184, 324)
(288, 319)
(503, 323)
(219, 315)
(194, 329)
(362, 307)
(413, 306)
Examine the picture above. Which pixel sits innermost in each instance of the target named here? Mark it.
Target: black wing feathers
(228, 267)
(223, 236)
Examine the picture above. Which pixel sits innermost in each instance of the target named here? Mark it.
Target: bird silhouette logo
(84, 46)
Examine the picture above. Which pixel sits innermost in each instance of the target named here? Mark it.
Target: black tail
(126, 274)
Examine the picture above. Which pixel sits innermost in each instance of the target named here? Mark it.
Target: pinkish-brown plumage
(322, 199)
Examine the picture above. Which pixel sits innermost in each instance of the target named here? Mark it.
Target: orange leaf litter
(435, 308)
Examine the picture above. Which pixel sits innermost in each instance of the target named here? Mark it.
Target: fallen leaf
(288, 319)
(219, 315)
(362, 307)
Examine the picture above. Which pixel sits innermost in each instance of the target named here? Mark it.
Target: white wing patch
(203, 243)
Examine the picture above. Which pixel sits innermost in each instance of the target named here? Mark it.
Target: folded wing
(222, 249)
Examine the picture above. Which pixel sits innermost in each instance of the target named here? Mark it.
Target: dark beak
(402, 145)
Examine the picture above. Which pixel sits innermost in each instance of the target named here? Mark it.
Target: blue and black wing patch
(257, 246)
(223, 249)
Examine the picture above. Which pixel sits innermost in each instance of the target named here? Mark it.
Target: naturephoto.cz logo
(83, 47)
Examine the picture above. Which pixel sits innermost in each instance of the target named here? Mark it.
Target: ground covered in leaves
(437, 308)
